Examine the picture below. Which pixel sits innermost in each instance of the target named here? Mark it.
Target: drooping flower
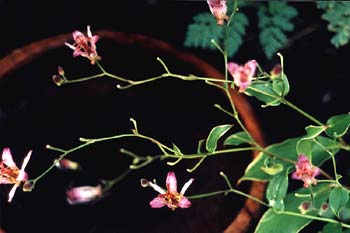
(305, 171)
(242, 75)
(83, 194)
(85, 46)
(67, 164)
(169, 197)
(10, 173)
(219, 9)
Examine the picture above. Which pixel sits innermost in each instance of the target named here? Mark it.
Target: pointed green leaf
(287, 151)
(332, 228)
(281, 85)
(277, 190)
(273, 222)
(338, 125)
(305, 144)
(313, 131)
(338, 199)
(238, 139)
(215, 134)
(263, 91)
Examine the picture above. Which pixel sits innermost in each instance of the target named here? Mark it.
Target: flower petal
(12, 192)
(158, 202)
(70, 45)
(184, 203)
(186, 185)
(83, 194)
(88, 31)
(7, 158)
(156, 187)
(171, 182)
(22, 174)
(251, 66)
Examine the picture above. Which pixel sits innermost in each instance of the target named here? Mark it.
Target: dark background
(34, 112)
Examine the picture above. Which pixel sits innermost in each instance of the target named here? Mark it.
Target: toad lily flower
(10, 173)
(169, 197)
(305, 171)
(242, 75)
(83, 194)
(219, 9)
(85, 46)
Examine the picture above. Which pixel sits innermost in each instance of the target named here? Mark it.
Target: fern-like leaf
(236, 31)
(202, 31)
(204, 28)
(338, 16)
(274, 21)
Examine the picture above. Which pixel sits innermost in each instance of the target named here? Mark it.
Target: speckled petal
(184, 203)
(171, 182)
(158, 202)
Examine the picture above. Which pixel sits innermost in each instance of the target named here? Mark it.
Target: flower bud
(83, 194)
(58, 80)
(67, 164)
(276, 71)
(27, 186)
(60, 70)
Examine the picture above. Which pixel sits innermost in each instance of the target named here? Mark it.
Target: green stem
(302, 112)
(111, 183)
(315, 218)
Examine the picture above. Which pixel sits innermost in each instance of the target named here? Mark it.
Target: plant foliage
(338, 16)
(204, 29)
(274, 21)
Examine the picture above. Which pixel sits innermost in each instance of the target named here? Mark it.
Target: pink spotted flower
(242, 75)
(10, 173)
(85, 46)
(219, 9)
(305, 171)
(169, 197)
(84, 194)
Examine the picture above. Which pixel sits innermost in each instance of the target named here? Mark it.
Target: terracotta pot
(248, 212)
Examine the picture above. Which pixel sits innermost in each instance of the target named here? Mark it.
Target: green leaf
(202, 31)
(274, 21)
(277, 190)
(263, 91)
(305, 144)
(338, 199)
(344, 214)
(236, 31)
(273, 222)
(332, 228)
(337, 15)
(215, 134)
(237, 139)
(313, 131)
(287, 151)
(338, 125)
(281, 85)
